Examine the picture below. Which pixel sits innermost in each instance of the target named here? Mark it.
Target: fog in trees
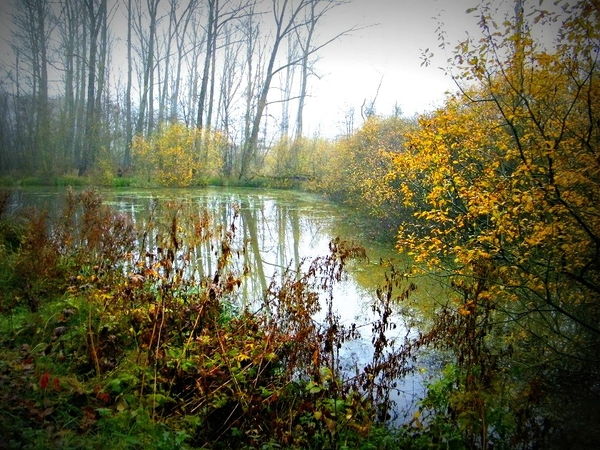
(82, 79)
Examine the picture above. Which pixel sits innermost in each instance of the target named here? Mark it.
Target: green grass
(70, 180)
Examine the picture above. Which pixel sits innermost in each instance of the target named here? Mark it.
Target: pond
(280, 229)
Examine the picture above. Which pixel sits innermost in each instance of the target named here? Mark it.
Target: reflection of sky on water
(280, 229)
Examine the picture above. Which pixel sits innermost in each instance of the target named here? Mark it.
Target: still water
(279, 229)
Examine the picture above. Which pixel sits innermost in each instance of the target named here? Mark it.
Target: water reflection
(281, 229)
(275, 230)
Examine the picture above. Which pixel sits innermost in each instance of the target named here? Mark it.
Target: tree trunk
(210, 40)
(128, 110)
(145, 109)
(91, 124)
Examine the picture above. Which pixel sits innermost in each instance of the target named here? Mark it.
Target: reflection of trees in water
(276, 230)
(249, 224)
(269, 236)
(273, 232)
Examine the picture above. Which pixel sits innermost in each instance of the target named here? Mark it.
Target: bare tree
(70, 25)
(165, 57)
(128, 106)
(97, 21)
(284, 14)
(367, 109)
(349, 117)
(181, 27)
(305, 42)
(253, 72)
(288, 18)
(30, 42)
(219, 15)
(230, 85)
(288, 84)
(197, 42)
(147, 55)
(211, 31)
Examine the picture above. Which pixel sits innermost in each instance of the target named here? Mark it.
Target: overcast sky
(390, 50)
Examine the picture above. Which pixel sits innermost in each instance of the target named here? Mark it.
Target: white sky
(390, 46)
(352, 67)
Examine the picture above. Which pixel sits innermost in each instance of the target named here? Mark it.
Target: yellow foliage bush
(358, 171)
(507, 175)
(179, 156)
(300, 158)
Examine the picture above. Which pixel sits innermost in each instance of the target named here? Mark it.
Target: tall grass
(117, 339)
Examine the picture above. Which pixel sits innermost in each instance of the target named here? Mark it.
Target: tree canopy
(504, 180)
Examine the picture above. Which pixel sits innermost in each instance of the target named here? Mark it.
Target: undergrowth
(116, 335)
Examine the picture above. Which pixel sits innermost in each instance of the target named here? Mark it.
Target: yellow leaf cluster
(359, 170)
(178, 156)
(509, 171)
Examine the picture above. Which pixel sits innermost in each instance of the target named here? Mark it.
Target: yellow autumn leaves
(179, 156)
(508, 171)
(358, 170)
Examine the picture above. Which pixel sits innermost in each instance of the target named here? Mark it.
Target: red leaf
(103, 396)
(56, 384)
(44, 380)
